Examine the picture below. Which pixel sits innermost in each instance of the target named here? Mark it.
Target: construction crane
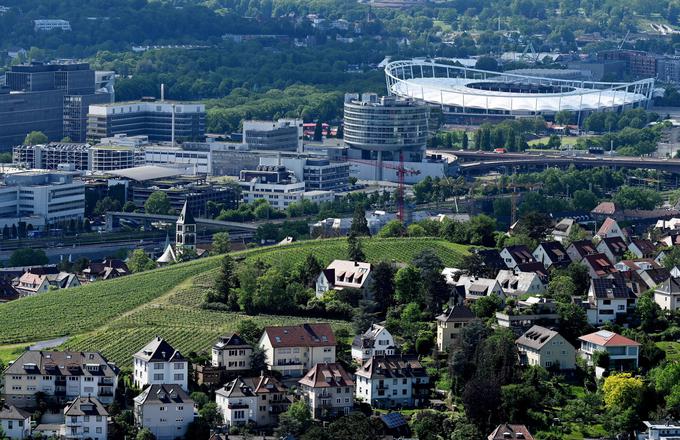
(402, 172)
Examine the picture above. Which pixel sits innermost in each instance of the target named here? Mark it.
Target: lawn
(119, 316)
(544, 140)
(672, 350)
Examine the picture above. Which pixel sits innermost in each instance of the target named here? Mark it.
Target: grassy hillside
(118, 317)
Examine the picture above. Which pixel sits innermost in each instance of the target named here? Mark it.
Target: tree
(138, 261)
(434, 284)
(295, 420)
(408, 285)
(415, 230)
(382, 287)
(309, 270)
(486, 306)
(145, 434)
(355, 251)
(105, 205)
(270, 295)
(157, 203)
(563, 117)
(249, 331)
(622, 390)
(211, 414)
(584, 200)
(318, 131)
(225, 284)
(561, 288)
(27, 257)
(393, 228)
(428, 425)
(354, 426)
(359, 223)
(35, 138)
(5, 232)
(573, 321)
(671, 258)
(464, 143)
(628, 197)
(487, 63)
(481, 230)
(220, 243)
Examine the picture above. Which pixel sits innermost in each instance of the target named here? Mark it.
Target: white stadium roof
(466, 88)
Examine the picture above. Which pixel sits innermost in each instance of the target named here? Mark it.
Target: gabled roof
(536, 337)
(604, 208)
(85, 406)
(607, 225)
(516, 282)
(555, 251)
(391, 367)
(584, 247)
(615, 244)
(645, 246)
(62, 363)
(164, 393)
(610, 288)
(158, 350)
(367, 339)
(327, 375)
(533, 267)
(251, 386)
(520, 253)
(11, 412)
(345, 273)
(605, 338)
(600, 264)
(231, 341)
(458, 312)
(510, 432)
(236, 388)
(670, 286)
(302, 335)
(490, 257)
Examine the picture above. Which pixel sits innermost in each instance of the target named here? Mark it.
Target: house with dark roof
(165, 410)
(642, 248)
(232, 353)
(623, 352)
(86, 418)
(613, 247)
(598, 265)
(578, 250)
(551, 254)
(258, 400)
(344, 274)
(328, 390)
(518, 254)
(450, 325)
(376, 341)
(159, 363)
(546, 348)
(294, 349)
(491, 259)
(105, 270)
(667, 294)
(15, 423)
(536, 268)
(392, 381)
(608, 299)
(507, 431)
(7, 291)
(60, 376)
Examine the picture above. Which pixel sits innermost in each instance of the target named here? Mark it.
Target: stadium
(468, 95)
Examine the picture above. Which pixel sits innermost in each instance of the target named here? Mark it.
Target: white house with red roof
(623, 352)
(610, 228)
(294, 349)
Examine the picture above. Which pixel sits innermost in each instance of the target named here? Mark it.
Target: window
(86, 429)
(99, 418)
(179, 377)
(180, 408)
(157, 366)
(158, 376)
(179, 365)
(98, 430)
(86, 418)
(162, 408)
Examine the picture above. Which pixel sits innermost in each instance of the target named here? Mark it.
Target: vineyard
(120, 316)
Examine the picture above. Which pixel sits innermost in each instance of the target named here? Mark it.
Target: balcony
(237, 406)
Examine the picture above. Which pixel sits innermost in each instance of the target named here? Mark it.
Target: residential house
(551, 254)
(376, 341)
(392, 381)
(671, 238)
(328, 390)
(472, 288)
(578, 250)
(527, 313)
(343, 274)
(661, 430)
(667, 294)
(105, 270)
(546, 348)
(491, 259)
(613, 247)
(60, 376)
(63, 280)
(518, 254)
(623, 352)
(646, 272)
(30, 284)
(562, 229)
(536, 268)
(604, 210)
(516, 284)
(608, 299)
(642, 248)
(451, 275)
(7, 291)
(165, 410)
(159, 363)
(598, 265)
(258, 400)
(232, 353)
(86, 418)
(510, 432)
(292, 350)
(15, 423)
(450, 325)
(610, 228)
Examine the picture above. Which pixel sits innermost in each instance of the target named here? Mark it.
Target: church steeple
(186, 229)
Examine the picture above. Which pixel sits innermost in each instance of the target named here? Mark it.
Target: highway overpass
(235, 228)
(474, 162)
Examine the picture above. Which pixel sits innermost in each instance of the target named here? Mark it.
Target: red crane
(402, 172)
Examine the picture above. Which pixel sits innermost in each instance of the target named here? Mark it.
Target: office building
(114, 157)
(278, 186)
(52, 98)
(199, 160)
(282, 135)
(229, 159)
(40, 198)
(52, 155)
(151, 118)
(318, 173)
(639, 64)
(668, 70)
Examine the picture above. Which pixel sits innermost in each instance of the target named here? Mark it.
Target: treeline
(511, 135)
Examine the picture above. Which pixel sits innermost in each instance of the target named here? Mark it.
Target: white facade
(160, 364)
(14, 423)
(142, 106)
(199, 161)
(49, 25)
(231, 353)
(377, 341)
(164, 411)
(280, 195)
(664, 430)
(237, 410)
(386, 386)
(521, 283)
(114, 157)
(667, 294)
(89, 421)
